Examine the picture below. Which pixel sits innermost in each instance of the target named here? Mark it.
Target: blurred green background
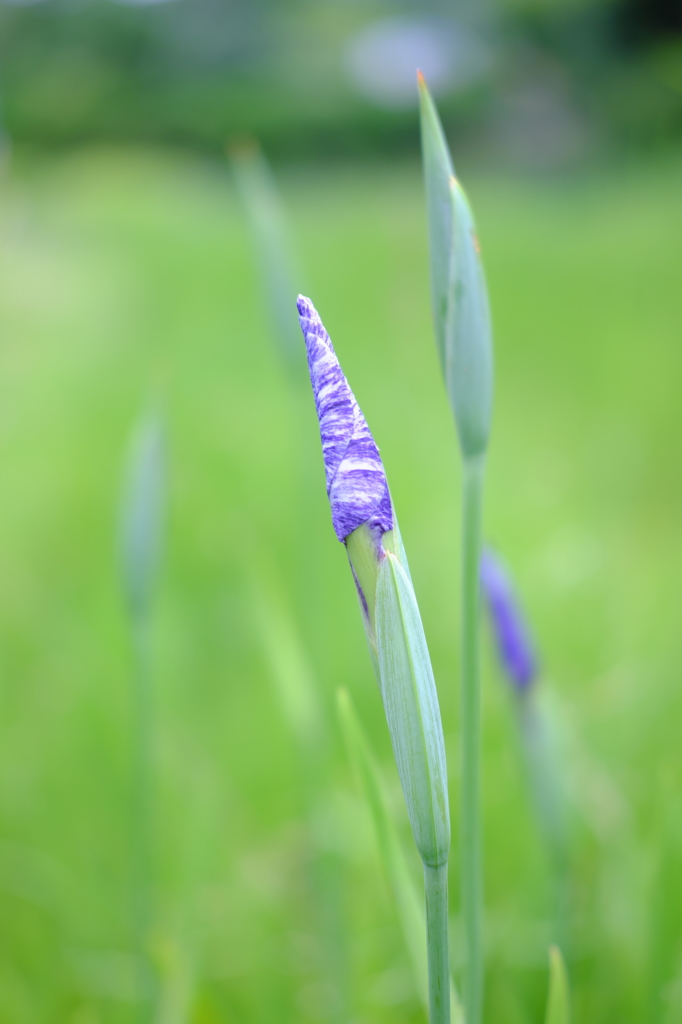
(549, 79)
(126, 272)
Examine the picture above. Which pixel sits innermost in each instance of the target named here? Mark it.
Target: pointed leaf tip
(558, 999)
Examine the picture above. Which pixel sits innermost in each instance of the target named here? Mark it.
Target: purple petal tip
(306, 308)
(356, 481)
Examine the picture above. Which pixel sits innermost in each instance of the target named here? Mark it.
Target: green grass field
(128, 274)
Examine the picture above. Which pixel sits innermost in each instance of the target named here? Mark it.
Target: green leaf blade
(278, 263)
(408, 904)
(289, 667)
(558, 999)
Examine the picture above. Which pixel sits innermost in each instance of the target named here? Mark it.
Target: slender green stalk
(472, 889)
(436, 892)
(541, 753)
(141, 807)
(141, 535)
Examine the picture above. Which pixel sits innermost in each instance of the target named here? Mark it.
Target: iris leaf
(558, 999)
(408, 902)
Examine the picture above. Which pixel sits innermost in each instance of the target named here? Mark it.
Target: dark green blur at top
(200, 72)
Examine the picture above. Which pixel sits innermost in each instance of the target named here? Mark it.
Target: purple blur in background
(511, 633)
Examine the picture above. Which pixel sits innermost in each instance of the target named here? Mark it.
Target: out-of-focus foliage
(319, 76)
(111, 264)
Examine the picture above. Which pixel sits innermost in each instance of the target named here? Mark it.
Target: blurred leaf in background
(110, 260)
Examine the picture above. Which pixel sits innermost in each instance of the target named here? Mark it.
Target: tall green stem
(141, 805)
(436, 891)
(472, 889)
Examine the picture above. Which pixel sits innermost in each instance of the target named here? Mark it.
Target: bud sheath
(362, 515)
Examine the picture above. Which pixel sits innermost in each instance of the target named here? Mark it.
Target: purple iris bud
(356, 481)
(511, 633)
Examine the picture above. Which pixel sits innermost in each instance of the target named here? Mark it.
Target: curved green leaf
(408, 903)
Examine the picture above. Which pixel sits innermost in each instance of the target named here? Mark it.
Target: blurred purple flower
(356, 481)
(511, 633)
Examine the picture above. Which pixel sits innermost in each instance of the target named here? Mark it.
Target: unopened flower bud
(510, 629)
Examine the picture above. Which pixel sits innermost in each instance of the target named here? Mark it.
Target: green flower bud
(459, 295)
(411, 704)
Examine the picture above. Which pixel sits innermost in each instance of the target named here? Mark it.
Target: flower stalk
(364, 520)
(461, 319)
(436, 898)
(471, 854)
(142, 517)
(534, 718)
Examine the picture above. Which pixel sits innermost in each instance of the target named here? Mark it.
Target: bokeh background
(133, 277)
